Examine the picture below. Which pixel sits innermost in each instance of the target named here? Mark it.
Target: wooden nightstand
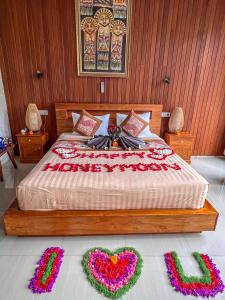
(32, 147)
(181, 143)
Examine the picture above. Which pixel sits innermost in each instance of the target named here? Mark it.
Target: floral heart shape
(160, 153)
(112, 273)
(65, 152)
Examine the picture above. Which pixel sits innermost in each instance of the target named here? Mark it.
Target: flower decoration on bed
(114, 134)
(112, 273)
(73, 152)
(65, 153)
(149, 159)
(161, 153)
(208, 285)
(47, 270)
(114, 138)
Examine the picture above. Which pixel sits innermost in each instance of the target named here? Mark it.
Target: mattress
(72, 177)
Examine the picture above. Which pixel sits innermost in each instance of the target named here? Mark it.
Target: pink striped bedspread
(70, 177)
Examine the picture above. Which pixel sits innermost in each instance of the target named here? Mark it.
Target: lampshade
(33, 119)
(176, 121)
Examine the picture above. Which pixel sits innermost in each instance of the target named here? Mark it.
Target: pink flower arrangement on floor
(112, 273)
(47, 270)
(208, 285)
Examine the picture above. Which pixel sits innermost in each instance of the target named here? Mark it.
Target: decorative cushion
(133, 124)
(146, 133)
(103, 128)
(87, 124)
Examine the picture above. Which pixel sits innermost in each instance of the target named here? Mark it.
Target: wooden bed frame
(98, 222)
(65, 124)
(93, 222)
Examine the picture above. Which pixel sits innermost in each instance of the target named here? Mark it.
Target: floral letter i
(47, 270)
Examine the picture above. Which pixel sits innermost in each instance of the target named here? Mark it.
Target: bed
(77, 191)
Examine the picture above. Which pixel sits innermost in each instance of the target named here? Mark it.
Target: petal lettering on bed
(114, 155)
(123, 167)
(105, 155)
(130, 154)
(155, 167)
(53, 168)
(84, 168)
(96, 168)
(66, 167)
(140, 167)
(152, 153)
(110, 168)
(173, 166)
(89, 155)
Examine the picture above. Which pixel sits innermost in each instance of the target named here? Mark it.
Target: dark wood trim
(97, 222)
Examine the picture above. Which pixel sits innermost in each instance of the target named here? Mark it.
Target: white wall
(4, 120)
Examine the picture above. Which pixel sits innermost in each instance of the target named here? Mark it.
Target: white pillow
(103, 128)
(145, 116)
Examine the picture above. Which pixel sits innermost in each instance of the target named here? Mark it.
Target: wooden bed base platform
(91, 222)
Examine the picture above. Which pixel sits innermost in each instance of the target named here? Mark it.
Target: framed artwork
(103, 30)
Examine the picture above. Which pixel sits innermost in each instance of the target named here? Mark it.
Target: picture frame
(103, 37)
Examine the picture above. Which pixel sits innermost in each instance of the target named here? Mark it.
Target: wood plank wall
(181, 38)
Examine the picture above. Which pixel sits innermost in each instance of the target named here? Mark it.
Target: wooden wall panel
(180, 38)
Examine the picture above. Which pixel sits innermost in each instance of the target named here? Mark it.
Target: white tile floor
(18, 256)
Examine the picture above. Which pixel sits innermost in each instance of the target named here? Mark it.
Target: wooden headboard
(64, 119)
